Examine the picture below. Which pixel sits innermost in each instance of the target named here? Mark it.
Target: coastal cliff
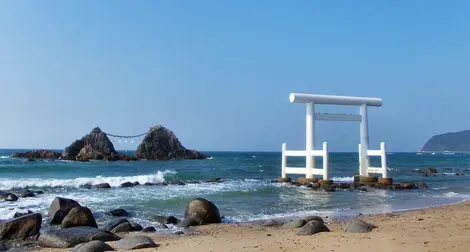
(452, 141)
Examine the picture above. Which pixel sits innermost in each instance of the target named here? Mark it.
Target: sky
(219, 73)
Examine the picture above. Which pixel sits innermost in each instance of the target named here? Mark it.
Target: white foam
(343, 179)
(77, 182)
(4, 157)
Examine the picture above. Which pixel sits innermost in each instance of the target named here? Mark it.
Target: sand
(444, 228)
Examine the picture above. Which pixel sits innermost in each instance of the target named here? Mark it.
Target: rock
(92, 246)
(313, 217)
(11, 197)
(136, 183)
(358, 226)
(70, 237)
(165, 219)
(27, 194)
(127, 184)
(136, 227)
(21, 227)
(118, 212)
(3, 247)
(30, 160)
(203, 211)
(123, 227)
(295, 224)
(95, 145)
(18, 214)
(179, 233)
(188, 222)
(79, 216)
(37, 154)
(102, 185)
(430, 170)
(313, 227)
(271, 223)
(111, 225)
(135, 242)
(161, 143)
(149, 229)
(59, 208)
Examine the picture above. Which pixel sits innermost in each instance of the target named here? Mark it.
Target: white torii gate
(310, 100)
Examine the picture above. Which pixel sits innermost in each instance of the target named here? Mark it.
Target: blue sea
(246, 192)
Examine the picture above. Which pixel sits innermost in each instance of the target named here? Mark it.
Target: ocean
(246, 192)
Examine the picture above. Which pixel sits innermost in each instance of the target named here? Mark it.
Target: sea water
(246, 192)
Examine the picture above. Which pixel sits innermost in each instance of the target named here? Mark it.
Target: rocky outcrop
(95, 145)
(37, 154)
(21, 227)
(160, 143)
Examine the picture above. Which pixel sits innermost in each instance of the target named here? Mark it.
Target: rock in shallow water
(59, 208)
(203, 211)
(69, 237)
(118, 212)
(135, 242)
(92, 246)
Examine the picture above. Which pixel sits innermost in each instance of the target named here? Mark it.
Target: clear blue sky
(219, 73)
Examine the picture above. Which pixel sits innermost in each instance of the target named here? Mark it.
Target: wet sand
(444, 228)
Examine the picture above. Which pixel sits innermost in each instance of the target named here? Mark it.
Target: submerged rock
(20, 228)
(118, 212)
(160, 143)
(70, 237)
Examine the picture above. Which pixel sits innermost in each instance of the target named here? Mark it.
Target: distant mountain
(453, 141)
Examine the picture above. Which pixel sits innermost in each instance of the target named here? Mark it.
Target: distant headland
(160, 143)
(452, 141)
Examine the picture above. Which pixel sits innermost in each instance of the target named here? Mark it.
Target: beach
(442, 228)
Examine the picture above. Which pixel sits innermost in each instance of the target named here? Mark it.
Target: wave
(4, 157)
(77, 182)
(343, 179)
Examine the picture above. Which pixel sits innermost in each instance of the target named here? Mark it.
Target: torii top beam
(334, 99)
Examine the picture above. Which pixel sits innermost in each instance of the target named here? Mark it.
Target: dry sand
(445, 228)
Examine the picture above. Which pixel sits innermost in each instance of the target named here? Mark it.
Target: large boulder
(92, 246)
(20, 228)
(202, 211)
(59, 208)
(79, 216)
(135, 242)
(160, 143)
(313, 227)
(70, 237)
(358, 226)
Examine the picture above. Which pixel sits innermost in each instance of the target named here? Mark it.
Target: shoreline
(437, 228)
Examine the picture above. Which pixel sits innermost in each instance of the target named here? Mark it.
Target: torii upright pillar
(364, 134)
(310, 139)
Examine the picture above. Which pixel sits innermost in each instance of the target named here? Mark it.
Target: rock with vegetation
(161, 143)
(452, 141)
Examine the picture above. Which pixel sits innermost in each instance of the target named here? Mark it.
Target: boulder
(92, 246)
(160, 143)
(313, 217)
(123, 227)
(70, 237)
(135, 242)
(59, 208)
(20, 228)
(127, 184)
(188, 222)
(149, 229)
(165, 219)
(271, 223)
(295, 224)
(358, 226)
(102, 185)
(118, 212)
(27, 194)
(19, 214)
(112, 224)
(313, 227)
(79, 216)
(11, 197)
(430, 170)
(203, 211)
